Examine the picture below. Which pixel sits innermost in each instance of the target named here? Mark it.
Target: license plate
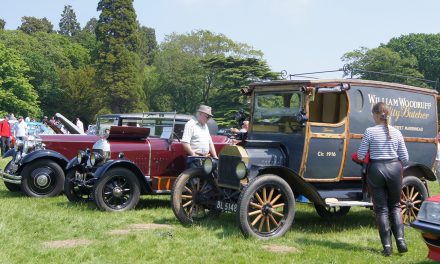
(227, 207)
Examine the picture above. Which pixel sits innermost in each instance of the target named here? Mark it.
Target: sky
(295, 35)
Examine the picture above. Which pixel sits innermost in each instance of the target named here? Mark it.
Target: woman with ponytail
(387, 153)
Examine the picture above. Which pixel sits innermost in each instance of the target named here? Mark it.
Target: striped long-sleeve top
(376, 141)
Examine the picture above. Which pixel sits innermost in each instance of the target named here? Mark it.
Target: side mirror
(301, 118)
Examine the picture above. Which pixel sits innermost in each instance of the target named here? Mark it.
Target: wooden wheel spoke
(417, 209)
(261, 223)
(406, 193)
(187, 196)
(413, 214)
(198, 185)
(273, 220)
(277, 213)
(264, 195)
(411, 193)
(404, 210)
(203, 186)
(259, 198)
(188, 189)
(413, 198)
(277, 205)
(267, 224)
(275, 199)
(256, 205)
(254, 212)
(186, 204)
(256, 219)
(405, 217)
(417, 201)
(270, 194)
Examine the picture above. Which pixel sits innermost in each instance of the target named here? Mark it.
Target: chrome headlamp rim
(208, 165)
(92, 159)
(241, 170)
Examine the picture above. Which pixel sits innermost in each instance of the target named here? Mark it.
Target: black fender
(145, 186)
(72, 164)
(10, 153)
(45, 153)
(296, 182)
(418, 170)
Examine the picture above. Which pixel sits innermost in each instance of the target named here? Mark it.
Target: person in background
(244, 128)
(387, 151)
(12, 117)
(196, 138)
(20, 130)
(5, 133)
(80, 125)
(27, 119)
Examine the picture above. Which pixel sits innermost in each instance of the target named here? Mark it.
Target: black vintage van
(301, 138)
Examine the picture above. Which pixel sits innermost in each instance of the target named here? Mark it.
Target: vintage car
(299, 144)
(37, 164)
(130, 162)
(428, 223)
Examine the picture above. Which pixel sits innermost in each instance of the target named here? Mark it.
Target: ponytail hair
(382, 110)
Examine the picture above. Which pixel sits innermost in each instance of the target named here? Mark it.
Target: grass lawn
(55, 231)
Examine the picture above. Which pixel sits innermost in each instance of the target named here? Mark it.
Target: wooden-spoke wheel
(266, 207)
(413, 194)
(193, 197)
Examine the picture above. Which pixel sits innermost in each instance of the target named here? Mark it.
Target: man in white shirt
(20, 131)
(196, 138)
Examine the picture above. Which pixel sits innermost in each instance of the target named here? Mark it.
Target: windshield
(276, 112)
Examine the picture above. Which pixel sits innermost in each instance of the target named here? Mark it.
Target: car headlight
(241, 170)
(209, 165)
(96, 158)
(92, 159)
(83, 156)
(429, 212)
(19, 144)
(102, 147)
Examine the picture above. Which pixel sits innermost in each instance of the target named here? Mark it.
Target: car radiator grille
(227, 165)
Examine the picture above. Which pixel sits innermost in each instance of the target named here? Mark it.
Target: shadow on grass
(340, 245)
(9, 194)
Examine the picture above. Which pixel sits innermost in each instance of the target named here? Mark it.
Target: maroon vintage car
(38, 163)
(130, 162)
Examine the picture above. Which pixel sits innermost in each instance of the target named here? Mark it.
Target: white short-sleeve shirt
(197, 135)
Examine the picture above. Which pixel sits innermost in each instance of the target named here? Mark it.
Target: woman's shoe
(387, 251)
(401, 245)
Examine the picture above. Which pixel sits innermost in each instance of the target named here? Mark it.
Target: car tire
(74, 192)
(266, 207)
(12, 187)
(191, 187)
(331, 212)
(413, 194)
(118, 190)
(42, 178)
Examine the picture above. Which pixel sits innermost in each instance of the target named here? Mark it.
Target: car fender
(100, 172)
(72, 164)
(298, 184)
(418, 170)
(45, 153)
(10, 153)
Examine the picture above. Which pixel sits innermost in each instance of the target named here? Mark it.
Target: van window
(328, 108)
(276, 112)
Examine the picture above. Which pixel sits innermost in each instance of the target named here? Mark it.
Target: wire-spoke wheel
(75, 192)
(266, 207)
(118, 190)
(193, 197)
(332, 212)
(42, 178)
(413, 194)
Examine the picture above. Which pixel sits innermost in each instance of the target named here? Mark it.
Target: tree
(69, 26)
(31, 25)
(369, 64)
(183, 75)
(118, 65)
(148, 45)
(16, 93)
(2, 24)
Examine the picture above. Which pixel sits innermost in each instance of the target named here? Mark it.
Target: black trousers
(385, 182)
(5, 142)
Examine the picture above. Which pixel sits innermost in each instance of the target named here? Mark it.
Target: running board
(333, 202)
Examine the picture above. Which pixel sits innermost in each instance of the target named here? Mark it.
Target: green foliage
(87, 38)
(69, 26)
(148, 45)
(16, 93)
(118, 64)
(81, 96)
(2, 24)
(31, 25)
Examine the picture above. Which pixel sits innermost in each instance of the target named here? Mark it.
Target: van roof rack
(348, 71)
